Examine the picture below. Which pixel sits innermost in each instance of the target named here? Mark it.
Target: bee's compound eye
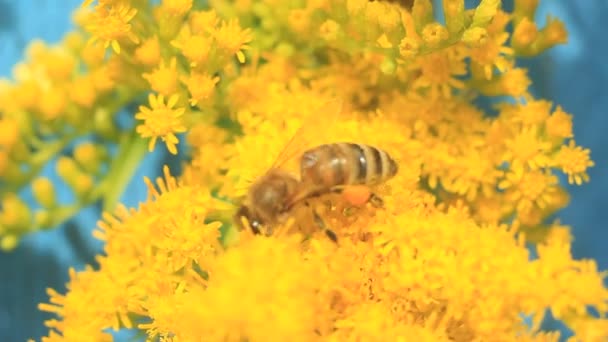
(255, 226)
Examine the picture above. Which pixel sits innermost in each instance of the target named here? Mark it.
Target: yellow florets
(250, 85)
(161, 120)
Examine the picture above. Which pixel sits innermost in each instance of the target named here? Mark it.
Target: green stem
(124, 165)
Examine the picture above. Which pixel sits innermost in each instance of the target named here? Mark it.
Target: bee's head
(254, 221)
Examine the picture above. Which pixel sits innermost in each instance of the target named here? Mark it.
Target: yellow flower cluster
(444, 258)
(64, 94)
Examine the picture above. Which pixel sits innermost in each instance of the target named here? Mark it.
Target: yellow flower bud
(42, 219)
(176, 8)
(15, 213)
(164, 79)
(83, 183)
(354, 7)
(93, 55)
(9, 242)
(422, 13)
(73, 41)
(475, 36)
(383, 42)
(52, 103)
(408, 47)
(87, 156)
(82, 91)
(329, 30)
(525, 34)
(67, 169)
(552, 34)
(9, 132)
(525, 8)
(103, 123)
(148, 53)
(454, 15)
(44, 192)
(36, 50)
(433, 34)
(3, 162)
(59, 64)
(388, 66)
(299, 20)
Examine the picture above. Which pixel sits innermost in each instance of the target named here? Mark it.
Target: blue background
(574, 76)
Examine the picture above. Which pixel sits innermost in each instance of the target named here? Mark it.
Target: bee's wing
(312, 131)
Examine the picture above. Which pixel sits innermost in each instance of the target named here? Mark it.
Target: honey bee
(343, 167)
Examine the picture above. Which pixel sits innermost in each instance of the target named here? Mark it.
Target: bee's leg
(376, 200)
(319, 221)
(321, 224)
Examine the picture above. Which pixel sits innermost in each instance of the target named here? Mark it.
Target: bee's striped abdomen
(327, 166)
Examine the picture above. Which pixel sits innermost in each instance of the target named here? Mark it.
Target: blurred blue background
(574, 76)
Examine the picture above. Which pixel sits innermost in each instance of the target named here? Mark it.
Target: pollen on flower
(164, 79)
(574, 161)
(161, 120)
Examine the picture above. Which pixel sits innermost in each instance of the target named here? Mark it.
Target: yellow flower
(52, 103)
(203, 21)
(161, 120)
(9, 133)
(299, 19)
(529, 189)
(176, 8)
(110, 23)
(83, 92)
(574, 161)
(201, 87)
(149, 52)
(492, 54)
(421, 266)
(233, 39)
(559, 124)
(434, 33)
(526, 148)
(59, 64)
(438, 72)
(164, 79)
(195, 48)
(329, 30)
(93, 55)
